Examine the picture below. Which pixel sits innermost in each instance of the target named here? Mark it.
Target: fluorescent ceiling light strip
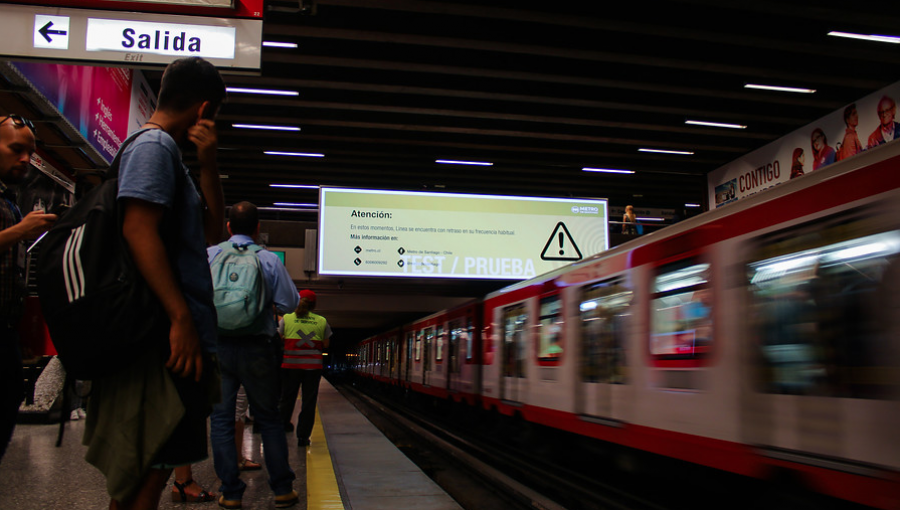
(453, 162)
(779, 89)
(268, 92)
(715, 124)
(291, 204)
(870, 37)
(692, 205)
(648, 219)
(296, 154)
(304, 186)
(607, 170)
(261, 126)
(275, 44)
(663, 151)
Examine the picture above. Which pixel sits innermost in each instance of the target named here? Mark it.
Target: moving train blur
(759, 339)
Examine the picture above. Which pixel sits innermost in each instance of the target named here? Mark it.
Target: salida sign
(160, 38)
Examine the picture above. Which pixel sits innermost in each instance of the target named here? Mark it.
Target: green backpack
(238, 288)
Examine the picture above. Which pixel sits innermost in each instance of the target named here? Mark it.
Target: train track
(481, 473)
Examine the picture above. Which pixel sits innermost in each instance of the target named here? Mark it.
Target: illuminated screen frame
(365, 232)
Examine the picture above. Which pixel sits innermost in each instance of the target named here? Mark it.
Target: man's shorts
(188, 442)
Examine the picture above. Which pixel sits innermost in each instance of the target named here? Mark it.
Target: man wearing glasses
(887, 129)
(16, 147)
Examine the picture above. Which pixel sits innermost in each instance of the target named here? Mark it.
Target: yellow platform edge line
(322, 492)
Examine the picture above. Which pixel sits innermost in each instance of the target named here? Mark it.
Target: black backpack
(99, 310)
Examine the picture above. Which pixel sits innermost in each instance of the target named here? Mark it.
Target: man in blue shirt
(151, 415)
(250, 359)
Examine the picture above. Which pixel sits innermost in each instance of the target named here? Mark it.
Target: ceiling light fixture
(304, 186)
(261, 126)
(779, 89)
(292, 204)
(276, 44)
(268, 92)
(692, 205)
(871, 37)
(607, 170)
(452, 162)
(715, 124)
(295, 154)
(639, 218)
(663, 151)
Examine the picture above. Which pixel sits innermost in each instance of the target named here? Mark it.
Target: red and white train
(760, 338)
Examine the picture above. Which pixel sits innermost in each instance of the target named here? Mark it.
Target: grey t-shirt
(151, 170)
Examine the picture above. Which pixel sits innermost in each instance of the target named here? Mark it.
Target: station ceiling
(541, 90)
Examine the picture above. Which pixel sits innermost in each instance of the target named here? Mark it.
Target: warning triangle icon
(561, 246)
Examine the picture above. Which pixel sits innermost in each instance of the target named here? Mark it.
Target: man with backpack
(150, 414)
(250, 285)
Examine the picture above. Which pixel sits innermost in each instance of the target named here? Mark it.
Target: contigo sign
(160, 38)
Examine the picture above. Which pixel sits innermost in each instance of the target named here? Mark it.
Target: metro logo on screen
(447, 235)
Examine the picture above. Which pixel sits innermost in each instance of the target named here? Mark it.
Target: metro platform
(350, 465)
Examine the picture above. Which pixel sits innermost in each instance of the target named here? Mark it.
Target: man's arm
(284, 292)
(140, 228)
(203, 135)
(32, 225)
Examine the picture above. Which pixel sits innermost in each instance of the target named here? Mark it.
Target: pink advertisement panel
(103, 103)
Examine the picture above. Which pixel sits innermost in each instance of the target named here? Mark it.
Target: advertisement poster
(859, 126)
(447, 235)
(103, 103)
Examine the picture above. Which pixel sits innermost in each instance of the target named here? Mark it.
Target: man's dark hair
(243, 218)
(188, 81)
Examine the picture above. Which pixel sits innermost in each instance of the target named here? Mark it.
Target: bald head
(243, 219)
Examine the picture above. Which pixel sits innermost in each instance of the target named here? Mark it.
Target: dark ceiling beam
(572, 121)
(519, 76)
(274, 82)
(616, 25)
(723, 67)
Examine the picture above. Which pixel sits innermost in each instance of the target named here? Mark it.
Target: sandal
(180, 496)
(249, 465)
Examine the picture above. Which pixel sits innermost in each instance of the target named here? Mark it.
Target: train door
(392, 356)
(427, 366)
(513, 353)
(410, 340)
(822, 342)
(455, 333)
(605, 312)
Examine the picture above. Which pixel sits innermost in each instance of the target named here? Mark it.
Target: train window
(439, 345)
(605, 309)
(419, 346)
(469, 334)
(515, 321)
(681, 308)
(429, 342)
(550, 328)
(821, 301)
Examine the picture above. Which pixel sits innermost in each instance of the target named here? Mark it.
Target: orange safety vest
(304, 341)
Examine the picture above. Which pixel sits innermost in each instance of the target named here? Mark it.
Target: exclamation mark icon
(561, 251)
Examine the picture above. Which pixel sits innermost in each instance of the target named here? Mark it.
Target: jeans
(249, 361)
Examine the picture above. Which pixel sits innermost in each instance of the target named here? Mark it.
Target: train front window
(550, 329)
(681, 311)
(605, 309)
(821, 303)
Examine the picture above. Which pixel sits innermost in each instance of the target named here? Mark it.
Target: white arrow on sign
(51, 32)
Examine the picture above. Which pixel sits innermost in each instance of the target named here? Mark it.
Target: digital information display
(447, 235)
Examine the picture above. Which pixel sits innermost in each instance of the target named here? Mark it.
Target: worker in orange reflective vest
(306, 335)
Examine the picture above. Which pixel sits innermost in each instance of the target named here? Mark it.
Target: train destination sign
(447, 235)
(139, 39)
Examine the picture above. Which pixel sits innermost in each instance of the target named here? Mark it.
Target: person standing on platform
(246, 357)
(306, 336)
(151, 416)
(16, 147)
(629, 221)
